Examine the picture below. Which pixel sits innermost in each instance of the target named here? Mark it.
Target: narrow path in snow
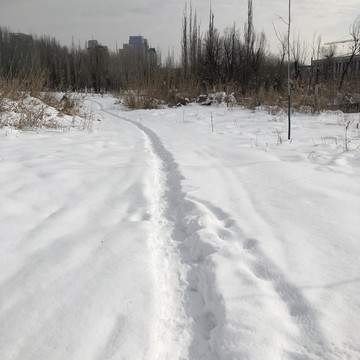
(191, 312)
(172, 328)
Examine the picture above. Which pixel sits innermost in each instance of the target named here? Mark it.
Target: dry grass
(66, 104)
(29, 103)
(32, 105)
(161, 88)
(306, 99)
(140, 99)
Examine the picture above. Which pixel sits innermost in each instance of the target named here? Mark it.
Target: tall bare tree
(289, 87)
(355, 34)
(184, 42)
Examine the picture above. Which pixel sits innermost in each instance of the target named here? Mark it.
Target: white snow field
(152, 237)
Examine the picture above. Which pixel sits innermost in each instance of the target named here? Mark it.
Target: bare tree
(355, 34)
(212, 54)
(328, 53)
(193, 39)
(289, 93)
(299, 53)
(249, 38)
(315, 55)
(184, 42)
(229, 45)
(283, 44)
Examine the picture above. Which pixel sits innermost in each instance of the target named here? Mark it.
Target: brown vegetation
(238, 65)
(29, 100)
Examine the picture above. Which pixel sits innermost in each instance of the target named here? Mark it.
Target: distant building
(20, 37)
(141, 46)
(138, 49)
(94, 44)
(336, 65)
(127, 49)
(152, 57)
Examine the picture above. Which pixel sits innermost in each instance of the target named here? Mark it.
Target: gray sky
(111, 22)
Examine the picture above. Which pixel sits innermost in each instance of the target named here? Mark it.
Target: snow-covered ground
(154, 237)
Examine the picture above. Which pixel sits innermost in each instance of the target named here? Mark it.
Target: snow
(152, 237)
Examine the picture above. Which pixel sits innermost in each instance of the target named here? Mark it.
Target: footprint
(250, 244)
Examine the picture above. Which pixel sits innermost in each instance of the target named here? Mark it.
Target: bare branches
(282, 19)
(355, 33)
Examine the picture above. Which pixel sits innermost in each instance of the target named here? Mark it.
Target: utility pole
(289, 88)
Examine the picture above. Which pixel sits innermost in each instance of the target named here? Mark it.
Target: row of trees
(245, 59)
(23, 57)
(210, 60)
(229, 58)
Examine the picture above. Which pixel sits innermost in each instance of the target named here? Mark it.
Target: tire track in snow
(311, 342)
(302, 314)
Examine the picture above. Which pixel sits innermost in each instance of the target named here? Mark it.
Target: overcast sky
(111, 22)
